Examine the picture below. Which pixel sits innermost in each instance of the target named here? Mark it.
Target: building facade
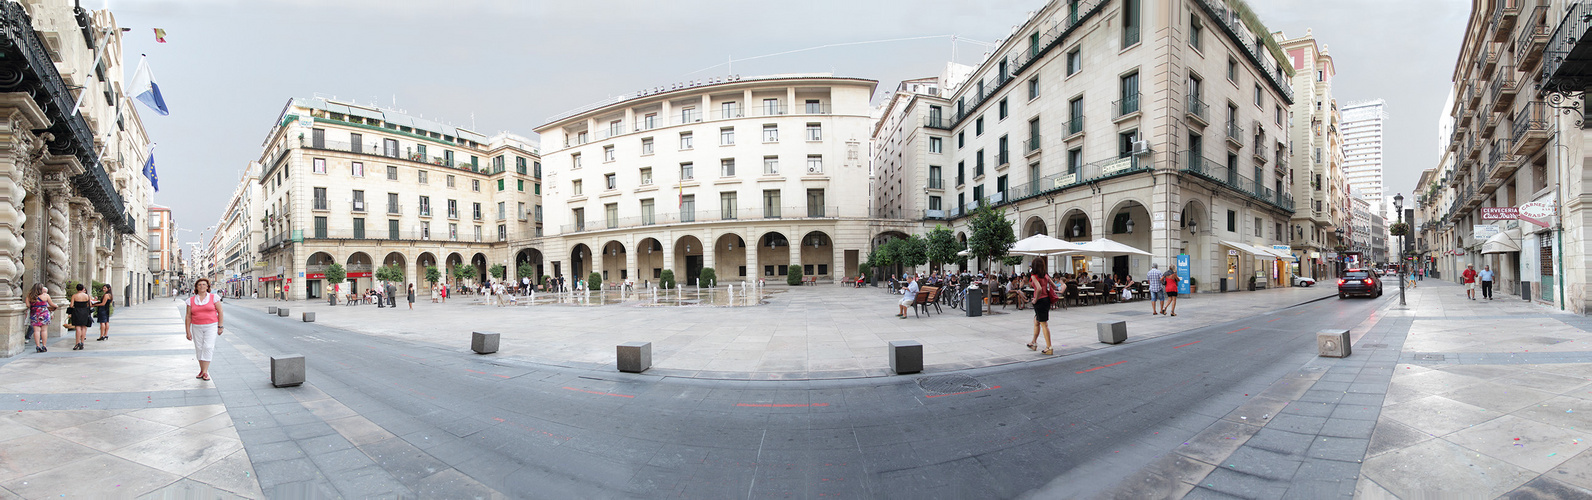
(1319, 191)
(1362, 151)
(165, 253)
(768, 174)
(367, 187)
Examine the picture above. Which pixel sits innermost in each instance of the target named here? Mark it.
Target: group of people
(1470, 276)
(81, 314)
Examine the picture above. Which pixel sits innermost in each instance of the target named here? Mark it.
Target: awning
(1507, 241)
(1249, 249)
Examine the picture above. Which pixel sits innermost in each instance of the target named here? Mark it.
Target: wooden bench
(934, 299)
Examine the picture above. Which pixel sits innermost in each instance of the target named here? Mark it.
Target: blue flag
(149, 169)
(146, 91)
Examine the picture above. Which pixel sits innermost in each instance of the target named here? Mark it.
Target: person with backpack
(1044, 295)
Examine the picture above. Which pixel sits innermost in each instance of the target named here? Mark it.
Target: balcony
(1126, 106)
(738, 214)
(1503, 19)
(1473, 147)
(1487, 60)
(1075, 126)
(1002, 159)
(373, 234)
(1507, 162)
(1533, 38)
(1504, 88)
(1464, 118)
(1261, 151)
(1031, 146)
(1530, 132)
(1218, 173)
(1489, 121)
(1198, 111)
(1567, 59)
(937, 122)
(645, 123)
(936, 183)
(378, 151)
(1232, 25)
(1235, 135)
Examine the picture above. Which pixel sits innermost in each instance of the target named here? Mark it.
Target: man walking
(1486, 282)
(1157, 289)
(392, 295)
(1469, 279)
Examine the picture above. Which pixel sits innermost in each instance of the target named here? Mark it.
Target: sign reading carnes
(1537, 212)
(1499, 213)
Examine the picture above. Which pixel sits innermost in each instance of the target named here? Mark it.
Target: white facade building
(1362, 150)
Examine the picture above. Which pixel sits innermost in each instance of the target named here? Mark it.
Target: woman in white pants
(203, 324)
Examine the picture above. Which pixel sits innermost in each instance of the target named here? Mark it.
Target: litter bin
(975, 302)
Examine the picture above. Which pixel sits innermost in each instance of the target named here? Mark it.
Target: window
(1258, 95)
(520, 211)
(1000, 186)
(814, 107)
(934, 203)
(689, 114)
(574, 160)
(359, 228)
(978, 164)
(771, 203)
(1003, 154)
(359, 200)
(815, 132)
(961, 173)
(687, 171)
(978, 194)
(320, 198)
(960, 140)
(453, 231)
(1196, 30)
(936, 177)
(771, 107)
(320, 227)
(453, 209)
(771, 133)
(646, 176)
(503, 232)
(519, 185)
(477, 233)
(648, 216)
(356, 143)
(1074, 160)
(611, 180)
(537, 187)
(450, 180)
(392, 203)
(519, 165)
(1232, 221)
(500, 184)
(978, 126)
(646, 147)
(1279, 114)
(815, 164)
(538, 214)
(425, 206)
(1130, 94)
(475, 185)
(1033, 88)
(1130, 23)
(608, 153)
(615, 127)
(815, 203)
(730, 109)
(685, 141)
(357, 169)
(770, 165)
(1258, 227)
(727, 209)
(392, 229)
(1074, 61)
(688, 208)
(423, 176)
(318, 165)
(447, 156)
(475, 210)
(936, 145)
(727, 136)
(575, 188)
(502, 211)
(1004, 109)
(1232, 69)
(318, 138)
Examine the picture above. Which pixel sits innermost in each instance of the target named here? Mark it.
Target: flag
(149, 169)
(160, 35)
(146, 90)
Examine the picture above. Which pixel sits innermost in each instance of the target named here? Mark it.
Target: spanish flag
(160, 35)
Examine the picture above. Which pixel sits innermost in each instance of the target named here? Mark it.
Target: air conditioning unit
(815, 170)
(1141, 148)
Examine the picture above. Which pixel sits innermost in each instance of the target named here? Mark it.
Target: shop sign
(359, 275)
(1537, 212)
(1499, 213)
(1484, 231)
(315, 276)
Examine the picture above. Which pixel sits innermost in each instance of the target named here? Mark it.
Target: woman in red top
(1044, 294)
(202, 323)
(1171, 294)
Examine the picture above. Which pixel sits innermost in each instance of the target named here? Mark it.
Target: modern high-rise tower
(1362, 149)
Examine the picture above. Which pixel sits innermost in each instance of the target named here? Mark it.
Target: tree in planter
(863, 270)
(793, 276)
(911, 252)
(666, 279)
(595, 281)
(708, 278)
(991, 233)
(941, 247)
(335, 274)
(433, 275)
(526, 270)
(462, 272)
(497, 271)
(390, 274)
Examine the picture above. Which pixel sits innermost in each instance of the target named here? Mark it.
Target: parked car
(1359, 282)
(1303, 281)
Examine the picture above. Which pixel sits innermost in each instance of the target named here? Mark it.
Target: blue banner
(1182, 273)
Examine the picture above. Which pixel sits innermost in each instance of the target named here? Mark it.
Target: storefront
(1249, 265)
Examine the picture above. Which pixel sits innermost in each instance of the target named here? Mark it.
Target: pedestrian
(909, 294)
(81, 315)
(392, 295)
(1486, 282)
(102, 312)
(1171, 293)
(39, 307)
(411, 296)
(1469, 278)
(1157, 289)
(1044, 295)
(331, 294)
(202, 324)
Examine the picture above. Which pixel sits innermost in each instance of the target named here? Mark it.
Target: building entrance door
(693, 267)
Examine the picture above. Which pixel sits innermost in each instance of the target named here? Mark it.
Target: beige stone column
(18, 146)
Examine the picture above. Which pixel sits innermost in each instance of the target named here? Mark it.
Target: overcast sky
(509, 65)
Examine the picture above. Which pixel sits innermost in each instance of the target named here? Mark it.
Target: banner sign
(1484, 231)
(1537, 212)
(1182, 273)
(1499, 213)
(359, 275)
(315, 276)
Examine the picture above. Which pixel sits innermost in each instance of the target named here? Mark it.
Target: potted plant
(1193, 284)
(793, 276)
(666, 279)
(594, 281)
(1399, 229)
(1252, 283)
(708, 278)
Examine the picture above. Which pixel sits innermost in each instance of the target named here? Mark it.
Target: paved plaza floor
(797, 333)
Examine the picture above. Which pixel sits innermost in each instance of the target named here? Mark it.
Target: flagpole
(99, 53)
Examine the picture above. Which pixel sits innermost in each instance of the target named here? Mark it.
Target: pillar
(754, 271)
(18, 115)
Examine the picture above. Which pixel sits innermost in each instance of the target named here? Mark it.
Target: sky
(229, 66)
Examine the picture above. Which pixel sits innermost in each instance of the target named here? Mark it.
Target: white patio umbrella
(1042, 245)
(965, 253)
(1106, 248)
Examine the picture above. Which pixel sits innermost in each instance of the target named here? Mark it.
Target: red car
(1359, 282)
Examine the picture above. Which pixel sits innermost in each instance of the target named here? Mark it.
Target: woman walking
(203, 324)
(81, 315)
(1171, 294)
(39, 308)
(1044, 294)
(102, 312)
(411, 296)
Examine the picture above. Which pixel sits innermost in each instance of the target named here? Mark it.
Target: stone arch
(530, 256)
(1076, 225)
(773, 253)
(1194, 239)
(649, 259)
(454, 260)
(1128, 222)
(818, 255)
(400, 261)
(480, 263)
(1035, 225)
(613, 259)
(729, 256)
(687, 259)
(579, 262)
(885, 237)
(315, 274)
(359, 267)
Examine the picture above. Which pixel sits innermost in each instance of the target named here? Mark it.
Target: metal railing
(1031, 145)
(938, 122)
(1235, 133)
(1086, 173)
(1531, 118)
(1533, 36)
(1253, 48)
(936, 183)
(1199, 109)
(738, 214)
(1570, 33)
(379, 151)
(1126, 105)
(1020, 59)
(1219, 173)
(1502, 84)
(1075, 126)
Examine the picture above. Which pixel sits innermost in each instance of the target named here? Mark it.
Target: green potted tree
(594, 281)
(793, 276)
(708, 278)
(336, 275)
(498, 271)
(666, 279)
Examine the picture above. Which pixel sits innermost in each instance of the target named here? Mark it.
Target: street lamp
(1340, 249)
(1398, 206)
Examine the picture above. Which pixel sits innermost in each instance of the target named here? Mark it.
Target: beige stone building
(764, 173)
(367, 187)
(1320, 196)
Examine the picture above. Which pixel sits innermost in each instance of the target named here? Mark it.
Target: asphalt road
(539, 431)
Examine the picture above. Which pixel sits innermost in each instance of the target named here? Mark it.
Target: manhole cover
(1431, 357)
(1129, 313)
(1373, 346)
(950, 384)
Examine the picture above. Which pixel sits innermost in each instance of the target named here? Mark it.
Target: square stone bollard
(270, 309)
(1113, 332)
(635, 357)
(1333, 343)
(309, 317)
(281, 312)
(484, 342)
(287, 370)
(906, 356)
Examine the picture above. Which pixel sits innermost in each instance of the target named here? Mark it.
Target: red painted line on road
(1273, 319)
(759, 405)
(1238, 330)
(600, 393)
(965, 392)
(1106, 366)
(1186, 345)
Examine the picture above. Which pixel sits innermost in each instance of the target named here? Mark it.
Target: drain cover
(950, 384)
(1431, 357)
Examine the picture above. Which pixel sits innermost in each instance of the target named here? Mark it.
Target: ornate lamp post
(1398, 205)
